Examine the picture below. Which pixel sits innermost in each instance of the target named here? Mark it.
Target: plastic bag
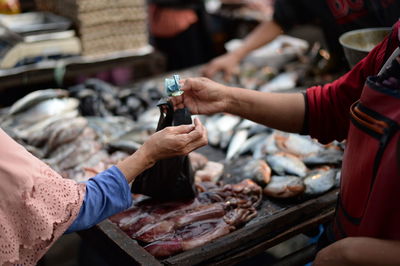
(173, 178)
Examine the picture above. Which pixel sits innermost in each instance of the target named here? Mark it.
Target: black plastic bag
(173, 178)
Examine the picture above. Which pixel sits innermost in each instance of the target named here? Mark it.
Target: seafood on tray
(167, 228)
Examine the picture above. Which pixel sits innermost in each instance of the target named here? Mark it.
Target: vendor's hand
(228, 64)
(175, 141)
(202, 96)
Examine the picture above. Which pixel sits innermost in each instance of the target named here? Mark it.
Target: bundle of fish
(99, 98)
(284, 164)
(167, 228)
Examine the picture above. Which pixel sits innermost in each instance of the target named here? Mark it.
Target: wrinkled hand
(202, 96)
(175, 141)
(228, 64)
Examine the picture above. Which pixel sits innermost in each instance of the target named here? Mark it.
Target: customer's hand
(228, 64)
(202, 96)
(169, 142)
(175, 141)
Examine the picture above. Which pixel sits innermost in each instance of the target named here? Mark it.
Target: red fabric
(329, 105)
(369, 200)
(169, 22)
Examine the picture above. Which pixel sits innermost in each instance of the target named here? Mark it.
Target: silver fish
(111, 127)
(283, 163)
(214, 135)
(236, 143)
(34, 98)
(252, 143)
(327, 156)
(227, 123)
(298, 145)
(45, 109)
(320, 181)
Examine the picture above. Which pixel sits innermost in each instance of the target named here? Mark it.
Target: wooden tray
(277, 221)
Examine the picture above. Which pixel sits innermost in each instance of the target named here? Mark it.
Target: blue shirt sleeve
(107, 193)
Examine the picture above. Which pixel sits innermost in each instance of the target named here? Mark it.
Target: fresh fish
(27, 131)
(284, 163)
(227, 123)
(337, 178)
(214, 135)
(149, 118)
(236, 143)
(123, 145)
(258, 171)
(258, 128)
(298, 145)
(246, 124)
(327, 156)
(111, 127)
(284, 187)
(58, 133)
(34, 98)
(211, 172)
(252, 143)
(226, 138)
(320, 181)
(45, 109)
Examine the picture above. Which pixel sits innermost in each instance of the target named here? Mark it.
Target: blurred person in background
(335, 17)
(37, 205)
(180, 30)
(361, 107)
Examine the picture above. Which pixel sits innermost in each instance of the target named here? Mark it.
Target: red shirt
(329, 105)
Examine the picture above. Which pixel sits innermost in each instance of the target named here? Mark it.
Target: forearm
(135, 164)
(372, 251)
(283, 111)
(360, 251)
(262, 34)
(106, 194)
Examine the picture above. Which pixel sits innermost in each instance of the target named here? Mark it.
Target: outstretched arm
(283, 111)
(228, 63)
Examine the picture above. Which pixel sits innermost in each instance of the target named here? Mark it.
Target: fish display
(89, 127)
(167, 228)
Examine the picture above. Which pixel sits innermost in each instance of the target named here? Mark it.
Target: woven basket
(104, 26)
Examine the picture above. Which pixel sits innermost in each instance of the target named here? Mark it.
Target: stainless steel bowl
(358, 43)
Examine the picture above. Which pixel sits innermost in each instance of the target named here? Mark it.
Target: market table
(65, 71)
(268, 229)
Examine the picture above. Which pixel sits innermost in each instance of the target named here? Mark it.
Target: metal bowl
(358, 43)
